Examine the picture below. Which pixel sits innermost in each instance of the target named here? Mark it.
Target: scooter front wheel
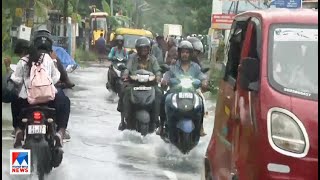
(185, 142)
(144, 129)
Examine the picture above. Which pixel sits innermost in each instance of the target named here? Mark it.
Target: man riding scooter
(141, 60)
(183, 66)
(118, 56)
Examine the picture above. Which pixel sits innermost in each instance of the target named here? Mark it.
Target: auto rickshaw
(130, 36)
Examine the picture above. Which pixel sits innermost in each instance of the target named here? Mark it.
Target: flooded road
(97, 149)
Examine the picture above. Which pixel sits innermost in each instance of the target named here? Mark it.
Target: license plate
(185, 95)
(37, 129)
(142, 88)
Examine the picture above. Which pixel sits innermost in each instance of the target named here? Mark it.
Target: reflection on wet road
(98, 150)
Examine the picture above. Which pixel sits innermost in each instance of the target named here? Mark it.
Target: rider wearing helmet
(156, 49)
(42, 46)
(42, 40)
(118, 50)
(197, 49)
(141, 60)
(183, 66)
(171, 55)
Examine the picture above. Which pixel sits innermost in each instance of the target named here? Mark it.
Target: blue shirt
(115, 52)
(101, 45)
(176, 71)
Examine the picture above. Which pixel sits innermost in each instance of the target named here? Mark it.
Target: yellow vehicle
(98, 24)
(130, 36)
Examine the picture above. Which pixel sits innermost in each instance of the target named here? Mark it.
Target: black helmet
(143, 42)
(185, 45)
(159, 36)
(119, 38)
(22, 46)
(196, 43)
(42, 39)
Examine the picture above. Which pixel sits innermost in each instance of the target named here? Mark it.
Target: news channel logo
(20, 161)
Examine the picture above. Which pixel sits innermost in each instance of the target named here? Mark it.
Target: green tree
(193, 15)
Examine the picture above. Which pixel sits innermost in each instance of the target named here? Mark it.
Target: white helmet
(196, 43)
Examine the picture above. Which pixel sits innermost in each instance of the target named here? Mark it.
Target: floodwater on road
(97, 149)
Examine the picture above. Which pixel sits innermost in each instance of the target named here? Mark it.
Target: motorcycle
(142, 99)
(40, 130)
(184, 110)
(114, 75)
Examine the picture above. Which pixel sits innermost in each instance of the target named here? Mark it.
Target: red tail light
(37, 116)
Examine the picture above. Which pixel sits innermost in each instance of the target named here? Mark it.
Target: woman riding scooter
(118, 54)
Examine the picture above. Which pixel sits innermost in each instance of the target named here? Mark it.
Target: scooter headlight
(174, 101)
(142, 78)
(120, 59)
(152, 77)
(133, 77)
(186, 83)
(120, 64)
(286, 133)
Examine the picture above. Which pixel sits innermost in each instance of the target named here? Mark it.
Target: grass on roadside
(215, 76)
(84, 56)
(216, 73)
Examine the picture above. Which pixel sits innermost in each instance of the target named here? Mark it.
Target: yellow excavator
(99, 23)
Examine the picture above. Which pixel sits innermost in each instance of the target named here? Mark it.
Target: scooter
(40, 129)
(115, 71)
(184, 110)
(142, 100)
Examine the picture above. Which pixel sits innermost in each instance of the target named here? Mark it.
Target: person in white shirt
(21, 77)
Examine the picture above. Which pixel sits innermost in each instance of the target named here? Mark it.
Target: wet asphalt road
(98, 150)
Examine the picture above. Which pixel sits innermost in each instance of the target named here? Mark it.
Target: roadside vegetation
(216, 73)
(82, 56)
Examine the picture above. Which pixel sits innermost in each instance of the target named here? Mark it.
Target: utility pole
(111, 7)
(137, 14)
(65, 14)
